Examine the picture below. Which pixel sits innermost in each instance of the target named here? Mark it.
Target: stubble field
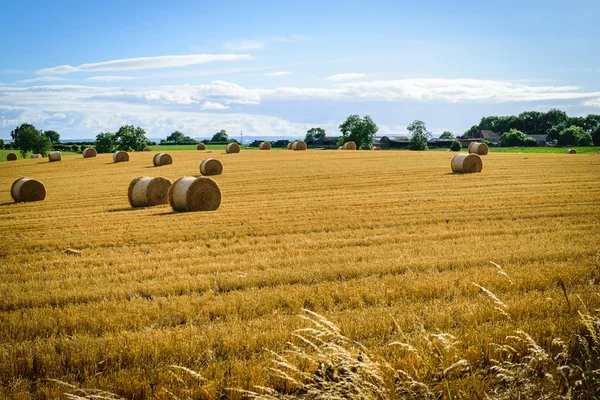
(387, 245)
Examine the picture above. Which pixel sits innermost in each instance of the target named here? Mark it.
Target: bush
(74, 148)
(571, 136)
(513, 138)
(530, 142)
(456, 146)
(585, 140)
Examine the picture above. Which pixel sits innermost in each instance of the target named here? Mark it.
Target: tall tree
(420, 135)
(105, 142)
(315, 134)
(447, 135)
(179, 138)
(220, 136)
(596, 136)
(358, 130)
(27, 138)
(53, 136)
(129, 138)
(574, 135)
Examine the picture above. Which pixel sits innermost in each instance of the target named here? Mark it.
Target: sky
(277, 68)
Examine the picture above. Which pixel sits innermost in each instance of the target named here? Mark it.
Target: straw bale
(201, 146)
(162, 159)
(54, 156)
(350, 146)
(480, 149)
(27, 189)
(11, 157)
(211, 166)
(299, 145)
(466, 163)
(232, 148)
(264, 146)
(89, 152)
(145, 191)
(195, 194)
(120, 156)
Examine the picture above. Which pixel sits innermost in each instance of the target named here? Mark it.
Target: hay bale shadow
(126, 209)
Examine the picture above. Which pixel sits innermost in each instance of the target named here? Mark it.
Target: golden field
(387, 245)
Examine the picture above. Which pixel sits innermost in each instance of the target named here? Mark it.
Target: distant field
(385, 244)
(190, 147)
(4, 153)
(546, 150)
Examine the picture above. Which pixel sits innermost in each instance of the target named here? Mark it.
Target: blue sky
(278, 68)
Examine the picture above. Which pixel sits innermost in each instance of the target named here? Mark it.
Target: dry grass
(213, 291)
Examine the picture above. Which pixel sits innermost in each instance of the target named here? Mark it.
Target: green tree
(53, 136)
(129, 138)
(105, 142)
(27, 138)
(447, 135)
(315, 134)
(1, 144)
(471, 132)
(512, 138)
(220, 137)
(456, 146)
(585, 140)
(420, 135)
(571, 136)
(596, 136)
(592, 122)
(358, 130)
(179, 138)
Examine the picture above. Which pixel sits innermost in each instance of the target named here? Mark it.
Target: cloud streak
(43, 79)
(110, 78)
(346, 77)
(133, 64)
(277, 73)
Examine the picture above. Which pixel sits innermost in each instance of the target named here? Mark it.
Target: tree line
(514, 130)
(555, 124)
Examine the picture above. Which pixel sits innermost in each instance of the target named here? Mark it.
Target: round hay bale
(54, 156)
(36, 156)
(466, 163)
(264, 146)
(120, 156)
(27, 189)
(469, 148)
(162, 159)
(571, 151)
(11, 157)
(299, 145)
(290, 146)
(376, 148)
(89, 152)
(210, 166)
(478, 148)
(232, 148)
(145, 191)
(201, 146)
(341, 148)
(195, 194)
(146, 149)
(350, 146)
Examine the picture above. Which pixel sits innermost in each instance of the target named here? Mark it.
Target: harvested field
(379, 238)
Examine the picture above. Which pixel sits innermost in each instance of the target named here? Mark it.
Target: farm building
(539, 139)
(492, 137)
(327, 142)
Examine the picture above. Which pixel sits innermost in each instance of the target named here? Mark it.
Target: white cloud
(131, 64)
(86, 110)
(592, 102)
(209, 105)
(110, 78)
(277, 73)
(346, 77)
(43, 79)
(450, 90)
(245, 45)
